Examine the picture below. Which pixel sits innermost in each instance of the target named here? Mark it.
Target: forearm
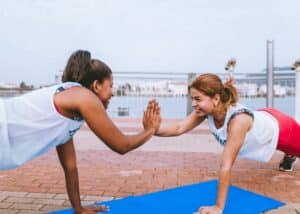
(223, 186)
(169, 131)
(72, 185)
(139, 139)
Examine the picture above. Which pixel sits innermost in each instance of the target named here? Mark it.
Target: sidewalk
(38, 186)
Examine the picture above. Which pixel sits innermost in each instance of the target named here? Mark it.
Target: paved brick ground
(38, 186)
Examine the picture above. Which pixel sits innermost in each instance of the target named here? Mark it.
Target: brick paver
(38, 186)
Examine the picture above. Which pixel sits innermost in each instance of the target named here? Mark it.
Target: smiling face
(104, 90)
(203, 104)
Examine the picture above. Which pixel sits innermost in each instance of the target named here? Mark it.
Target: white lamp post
(296, 67)
(230, 66)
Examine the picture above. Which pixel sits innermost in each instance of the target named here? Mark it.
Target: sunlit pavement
(38, 186)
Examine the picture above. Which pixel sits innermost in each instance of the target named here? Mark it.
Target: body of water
(176, 107)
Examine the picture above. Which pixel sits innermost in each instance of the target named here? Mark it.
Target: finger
(158, 110)
(100, 208)
(151, 101)
(154, 108)
(149, 104)
(157, 105)
(144, 119)
(147, 111)
(151, 109)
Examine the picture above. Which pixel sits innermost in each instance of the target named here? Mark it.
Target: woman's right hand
(92, 210)
(152, 117)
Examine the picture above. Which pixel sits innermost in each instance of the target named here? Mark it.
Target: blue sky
(38, 36)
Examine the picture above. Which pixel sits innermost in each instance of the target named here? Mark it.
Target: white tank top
(30, 126)
(261, 140)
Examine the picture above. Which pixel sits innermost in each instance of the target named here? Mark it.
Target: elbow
(122, 151)
(125, 148)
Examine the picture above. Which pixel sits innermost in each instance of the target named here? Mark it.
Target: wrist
(220, 207)
(77, 209)
(151, 129)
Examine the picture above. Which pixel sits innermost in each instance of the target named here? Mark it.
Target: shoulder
(241, 121)
(77, 97)
(239, 109)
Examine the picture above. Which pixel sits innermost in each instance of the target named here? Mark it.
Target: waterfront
(176, 107)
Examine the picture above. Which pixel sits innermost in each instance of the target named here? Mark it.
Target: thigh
(289, 132)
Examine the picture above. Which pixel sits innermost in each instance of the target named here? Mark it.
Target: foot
(287, 163)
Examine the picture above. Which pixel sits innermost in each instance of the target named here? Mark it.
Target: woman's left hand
(209, 210)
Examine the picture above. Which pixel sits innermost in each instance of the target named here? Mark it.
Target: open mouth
(199, 111)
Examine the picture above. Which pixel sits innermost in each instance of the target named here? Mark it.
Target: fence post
(189, 108)
(270, 67)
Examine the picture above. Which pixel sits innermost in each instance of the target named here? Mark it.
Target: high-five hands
(152, 117)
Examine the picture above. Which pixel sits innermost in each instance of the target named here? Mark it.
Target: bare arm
(237, 130)
(88, 105)
(67, 158)
(187, 124)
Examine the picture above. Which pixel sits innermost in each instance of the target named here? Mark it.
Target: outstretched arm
(67, 158)
(237, 130)
(92, 110)
(187, 124)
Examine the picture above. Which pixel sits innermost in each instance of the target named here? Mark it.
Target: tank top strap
(239, 110)
(63, 87)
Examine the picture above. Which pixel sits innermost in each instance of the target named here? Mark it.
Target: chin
(106, 105)
(200, 113)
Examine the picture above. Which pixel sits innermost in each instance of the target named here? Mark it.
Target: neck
(220, 113)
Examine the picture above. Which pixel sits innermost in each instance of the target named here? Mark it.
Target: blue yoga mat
(187, 199)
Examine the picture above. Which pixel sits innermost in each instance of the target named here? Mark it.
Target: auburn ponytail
(210, 84)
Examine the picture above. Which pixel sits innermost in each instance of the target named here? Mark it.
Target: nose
(112, 92)
(194, 103)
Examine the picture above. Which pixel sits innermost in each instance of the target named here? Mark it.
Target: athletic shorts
(289, 132)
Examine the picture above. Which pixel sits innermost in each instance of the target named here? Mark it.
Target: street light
(230, 65)
(296, 67)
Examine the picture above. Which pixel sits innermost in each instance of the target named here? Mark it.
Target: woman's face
(201, 103)
(105, 91)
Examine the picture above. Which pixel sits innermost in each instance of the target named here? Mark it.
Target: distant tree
(23, 85)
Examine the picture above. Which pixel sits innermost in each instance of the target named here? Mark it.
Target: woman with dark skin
(34, 123)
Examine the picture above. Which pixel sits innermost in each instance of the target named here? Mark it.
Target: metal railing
(134, 89)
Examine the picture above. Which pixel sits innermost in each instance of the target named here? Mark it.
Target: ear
(216, 99)
(96, 86)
